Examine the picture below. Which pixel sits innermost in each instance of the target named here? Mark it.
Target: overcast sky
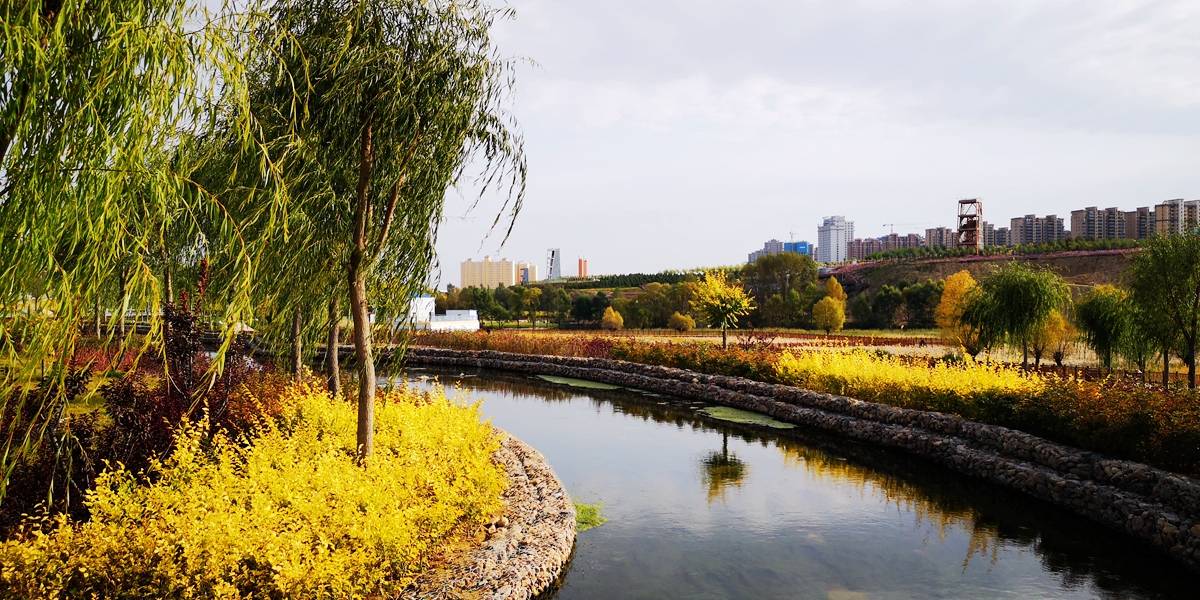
(681, 133)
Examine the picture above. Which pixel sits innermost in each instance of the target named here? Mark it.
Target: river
(702, 508)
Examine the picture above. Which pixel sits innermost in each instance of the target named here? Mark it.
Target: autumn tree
(833, 289)
(681, 322)
(956, 295)
(829, 314)
(721, 302)
(1051, 337)
(611, 320)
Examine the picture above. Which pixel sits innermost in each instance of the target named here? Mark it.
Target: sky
(672, 134)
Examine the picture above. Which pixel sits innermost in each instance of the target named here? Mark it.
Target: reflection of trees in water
(722, 470)
(1079, 552)
(927, 510)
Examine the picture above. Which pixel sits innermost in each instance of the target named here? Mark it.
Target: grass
(587, 516)
(745, 417)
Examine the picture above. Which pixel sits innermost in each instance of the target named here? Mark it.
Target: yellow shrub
(872, 376)
(287, 514)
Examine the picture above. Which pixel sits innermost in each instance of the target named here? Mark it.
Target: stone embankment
(526, 550)
(1149, 504)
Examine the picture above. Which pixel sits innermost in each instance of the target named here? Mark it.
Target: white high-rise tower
(554, 264)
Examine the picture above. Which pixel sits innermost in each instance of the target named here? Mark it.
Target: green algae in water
(579, 383)
(588, 516)
(735, 415)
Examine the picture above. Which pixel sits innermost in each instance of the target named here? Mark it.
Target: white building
(833, 239)
(554, 264)
(422, 316)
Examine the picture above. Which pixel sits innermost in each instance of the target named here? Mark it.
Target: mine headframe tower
(970, 224)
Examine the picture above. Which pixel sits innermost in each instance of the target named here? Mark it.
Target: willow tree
(1165, 281)
(388, 102)
(1013, 302)
(97, 102)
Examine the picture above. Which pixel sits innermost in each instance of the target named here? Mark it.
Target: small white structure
(422, 316)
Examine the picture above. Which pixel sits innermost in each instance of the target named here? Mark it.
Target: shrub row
(1116, 417)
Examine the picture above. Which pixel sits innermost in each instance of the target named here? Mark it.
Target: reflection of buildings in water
(927, 510)
(722, 470)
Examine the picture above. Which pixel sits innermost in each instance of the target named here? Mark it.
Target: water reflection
(722, 470)
(800, 514)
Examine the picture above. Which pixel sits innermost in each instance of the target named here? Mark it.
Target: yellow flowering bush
(966, 388)
(285, 513)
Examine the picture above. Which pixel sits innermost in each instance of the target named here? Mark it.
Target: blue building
(798, 247)
(777, 247)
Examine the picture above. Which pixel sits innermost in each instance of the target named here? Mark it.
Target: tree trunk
(333, 367)
(724, 339)
(358, 299)
(1166, 354)
(1191, 365)
(97, 317)
(297, 344)
(169, 283)
(124, 301)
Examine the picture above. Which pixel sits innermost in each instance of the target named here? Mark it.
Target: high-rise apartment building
(526, 272)
(1176, 216)
(1139, 223)
(1092, 223)
(833, 239)
(582, 268)
(994, 236)
(941, 237)
(554, 264)
(862, 249)
(487, 273)
(999, 237)
(1031, 229)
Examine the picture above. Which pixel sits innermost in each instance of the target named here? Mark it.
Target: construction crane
(892, 226)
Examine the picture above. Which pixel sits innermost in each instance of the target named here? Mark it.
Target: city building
(582, 268)
(488, 273)
(861, 249)
(774, 246)
(554, 264)
(526, 272)
(1176, 216)
(997, 236)
(940, 237)
(1031, 229)
(1092, 223)
(1139, 223)
(833, 239)
(801, 247)
(421, 315)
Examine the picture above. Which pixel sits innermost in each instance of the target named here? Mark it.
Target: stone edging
(527, 550)
(1152, 505)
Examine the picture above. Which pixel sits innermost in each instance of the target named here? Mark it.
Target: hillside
(1079, 267)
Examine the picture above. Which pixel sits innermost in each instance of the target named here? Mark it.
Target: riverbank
(1151, 505)
(525, 551)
